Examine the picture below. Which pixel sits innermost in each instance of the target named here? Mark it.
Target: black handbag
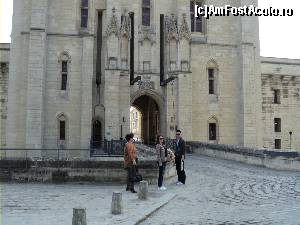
(138, 177)
(182, 175)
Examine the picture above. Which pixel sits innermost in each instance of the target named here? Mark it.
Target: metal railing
(105, 147)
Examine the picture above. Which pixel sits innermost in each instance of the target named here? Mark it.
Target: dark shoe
(127, 189)
(133, 191)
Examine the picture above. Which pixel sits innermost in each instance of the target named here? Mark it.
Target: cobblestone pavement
(48, 204)
(225, 192)
(217, 192)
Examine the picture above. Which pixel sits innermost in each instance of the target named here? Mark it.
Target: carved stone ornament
(146, 84)
(184, 30)
(171, 28)
(112, 26)
(125, 26)
(146, 32)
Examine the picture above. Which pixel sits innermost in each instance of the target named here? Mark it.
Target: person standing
(130, 162)
(179, 157)
(161, 152)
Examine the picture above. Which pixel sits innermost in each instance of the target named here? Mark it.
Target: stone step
(4, 175)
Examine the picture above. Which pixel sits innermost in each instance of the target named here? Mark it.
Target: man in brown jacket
(130, 162)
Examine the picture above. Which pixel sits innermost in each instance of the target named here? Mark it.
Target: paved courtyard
(225, 192)
(217, 192)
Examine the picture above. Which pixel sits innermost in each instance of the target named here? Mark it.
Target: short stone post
(143, 190)
(79, 216)
(116, 203)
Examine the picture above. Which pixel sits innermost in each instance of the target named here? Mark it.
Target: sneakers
(162, 188)
(179, 183)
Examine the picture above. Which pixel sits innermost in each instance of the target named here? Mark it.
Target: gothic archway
(150, 118)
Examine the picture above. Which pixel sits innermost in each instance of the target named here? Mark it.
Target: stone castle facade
(69, 76)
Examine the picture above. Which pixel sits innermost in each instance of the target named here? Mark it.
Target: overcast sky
(279, 36)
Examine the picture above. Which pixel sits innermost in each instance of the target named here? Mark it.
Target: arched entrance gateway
(150, 118)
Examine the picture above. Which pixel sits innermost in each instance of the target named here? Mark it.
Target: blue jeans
(161, 172)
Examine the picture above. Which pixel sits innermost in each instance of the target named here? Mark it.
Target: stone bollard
(143, 190)
(79, 216)
(116, 203)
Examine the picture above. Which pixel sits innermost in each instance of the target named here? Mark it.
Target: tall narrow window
(64, 75)
(212, 131)
(276, 96)
(277, 124)
(84, 13)
(277, 143)
(62, 130)
(211, 81)
(146, 12)
(196, 22)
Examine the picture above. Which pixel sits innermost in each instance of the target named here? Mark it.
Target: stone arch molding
(212, 64)
(64, 56)
(213, 118)
(159, 99)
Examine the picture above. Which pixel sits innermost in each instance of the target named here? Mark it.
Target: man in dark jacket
(179, 157)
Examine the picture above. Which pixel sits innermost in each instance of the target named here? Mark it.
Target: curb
(169, 198)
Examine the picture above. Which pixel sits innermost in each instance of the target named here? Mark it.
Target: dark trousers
(178, 165)
(161, 171)
(130, 177)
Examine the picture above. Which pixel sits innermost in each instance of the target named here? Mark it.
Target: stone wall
(4, 71)
(99, 170)
(282, 75)
(279, 160)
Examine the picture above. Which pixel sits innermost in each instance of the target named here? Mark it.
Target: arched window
(146, 6)
(64, 75)
(64, 63)
(211, 81)
(84, 13)
(196, 22)
(213, 132)
(212, 74)
(62, 127)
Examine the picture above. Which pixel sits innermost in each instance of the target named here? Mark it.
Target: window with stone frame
(62, 130)
(212, 131)
(276, 93)
(146, 12)
(277, 124)
(211, 81)
(84, 13)
(64, 62)
(64, 75)
(277, 143)
(196, 22)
